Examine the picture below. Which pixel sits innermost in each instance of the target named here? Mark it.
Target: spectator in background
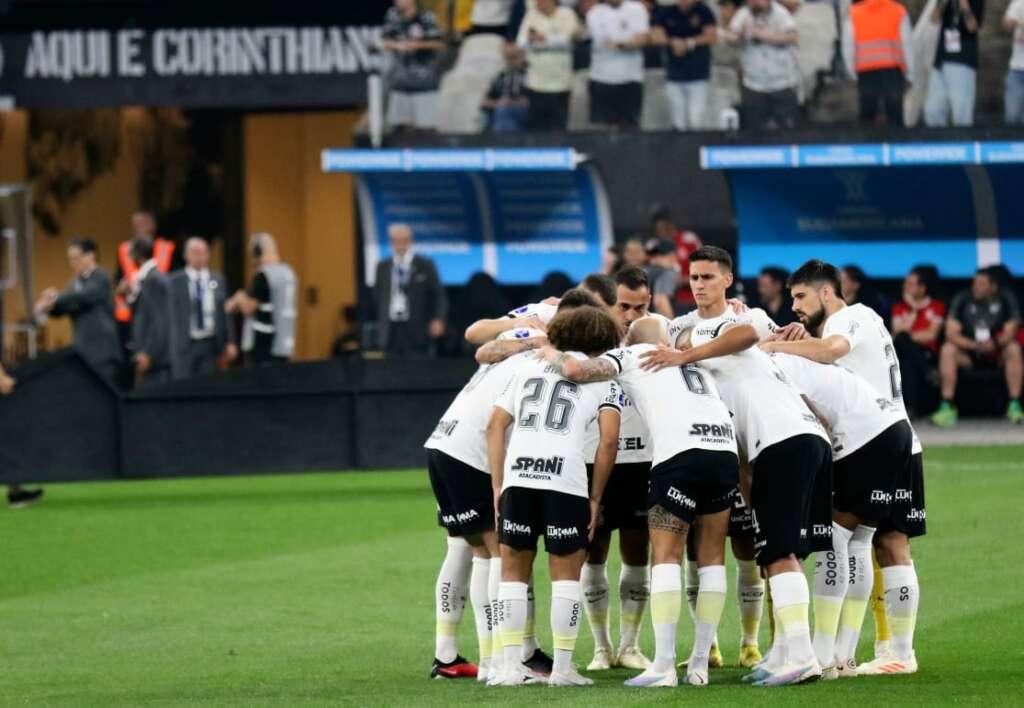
(952, 82)
(664, 226)
(611, 260)
(506, 99)
(201, 331)
(981, 331)
(1013, 21)
(916, 325)
(269, 306)
(773, 296)
(412, 39)
(618, 32)
(493, 17)
(878, 53)
(662, 274)
(151, 322)
(634, 253)
(547, 34)
(411, 302)
(857, 288)
(88, 301)
(688, 31)
(767, 34)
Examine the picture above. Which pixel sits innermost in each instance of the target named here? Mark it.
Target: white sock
(481, 609)
(513, 621)
(529, 635)
(666, 592)
(594, 585)
(634, 591)
(776, 656)
(710, 601)
(450, 597)
(831, 579)
(565, 621)
(692, 586)
(902, 596)
(858, 593)
(750, 598)
(493, 589)
(791, 597)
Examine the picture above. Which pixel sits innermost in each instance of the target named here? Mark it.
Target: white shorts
(417, 109)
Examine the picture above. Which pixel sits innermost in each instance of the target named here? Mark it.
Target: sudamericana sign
(193, 67)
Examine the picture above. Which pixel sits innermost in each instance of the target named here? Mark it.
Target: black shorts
(563, 520)
(908, 511)
(865, 480)
(616, 104)
(465, 500)
(694, 483)
(791, 497)
(624, 502)
(741, 518)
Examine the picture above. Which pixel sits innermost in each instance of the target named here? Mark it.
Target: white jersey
(550, 418)
(855, 413)
(766, 408)
(541, 310)
(461, 432)
(681, 406)
(872, 355)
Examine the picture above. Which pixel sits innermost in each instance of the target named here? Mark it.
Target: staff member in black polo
(411, 302)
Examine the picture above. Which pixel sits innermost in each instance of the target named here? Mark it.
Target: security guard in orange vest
(877, 51)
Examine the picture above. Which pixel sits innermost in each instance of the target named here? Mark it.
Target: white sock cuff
(712, 578)
(789, 589)
(457, 542)
(483, 564)
(592, 573)
(748, 573)
(898, 576)
(634, 573)
(863, 534)
(665, 577)
(841, 536)
(565, 590)
(512, 591)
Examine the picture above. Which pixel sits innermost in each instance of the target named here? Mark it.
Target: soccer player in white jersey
(871, 444)
(540, 482)
(855, 337)
(694, 474)
(777, 433)
(457, 464)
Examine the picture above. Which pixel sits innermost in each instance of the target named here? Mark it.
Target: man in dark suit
(89, 301)
(202, 333)
(152, 326)
(411, 302)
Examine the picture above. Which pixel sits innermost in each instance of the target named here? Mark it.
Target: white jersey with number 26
(550, 416)
(872, 355)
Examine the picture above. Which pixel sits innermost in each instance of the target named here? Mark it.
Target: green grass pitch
(317, 589)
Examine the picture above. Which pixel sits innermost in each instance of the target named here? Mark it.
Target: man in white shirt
(541, 488)
(767, 34)
(855, 337)
(788, 451)
(547, 34)
(618, 31)
(202, 331)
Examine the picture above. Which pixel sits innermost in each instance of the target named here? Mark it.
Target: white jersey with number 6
(462, 431)
(854, 411)
(680, 405)
(872, 355)
(766, 408)
(550, 416)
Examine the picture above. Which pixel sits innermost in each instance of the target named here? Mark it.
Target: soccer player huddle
(590, 415)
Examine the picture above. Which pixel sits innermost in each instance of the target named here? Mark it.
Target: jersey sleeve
(761, 322)
(541, 310)
(612, 399)
(679, 325)
(507, 400)
(846, 326)
(618, 357)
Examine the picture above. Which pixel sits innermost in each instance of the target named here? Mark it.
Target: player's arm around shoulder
(579, 370)
(823, 351)
(500, 349)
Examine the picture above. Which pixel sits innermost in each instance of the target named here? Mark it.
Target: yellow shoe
(715, 660)
(750, 656)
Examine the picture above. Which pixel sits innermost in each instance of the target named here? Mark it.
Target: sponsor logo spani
(705, 430)
(561, 532)
(881, 497)
(680, 498)
(547, 465)
(514, 527)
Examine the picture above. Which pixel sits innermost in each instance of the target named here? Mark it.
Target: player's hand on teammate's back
(790, 333)
(738, 306)
(662, 358)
